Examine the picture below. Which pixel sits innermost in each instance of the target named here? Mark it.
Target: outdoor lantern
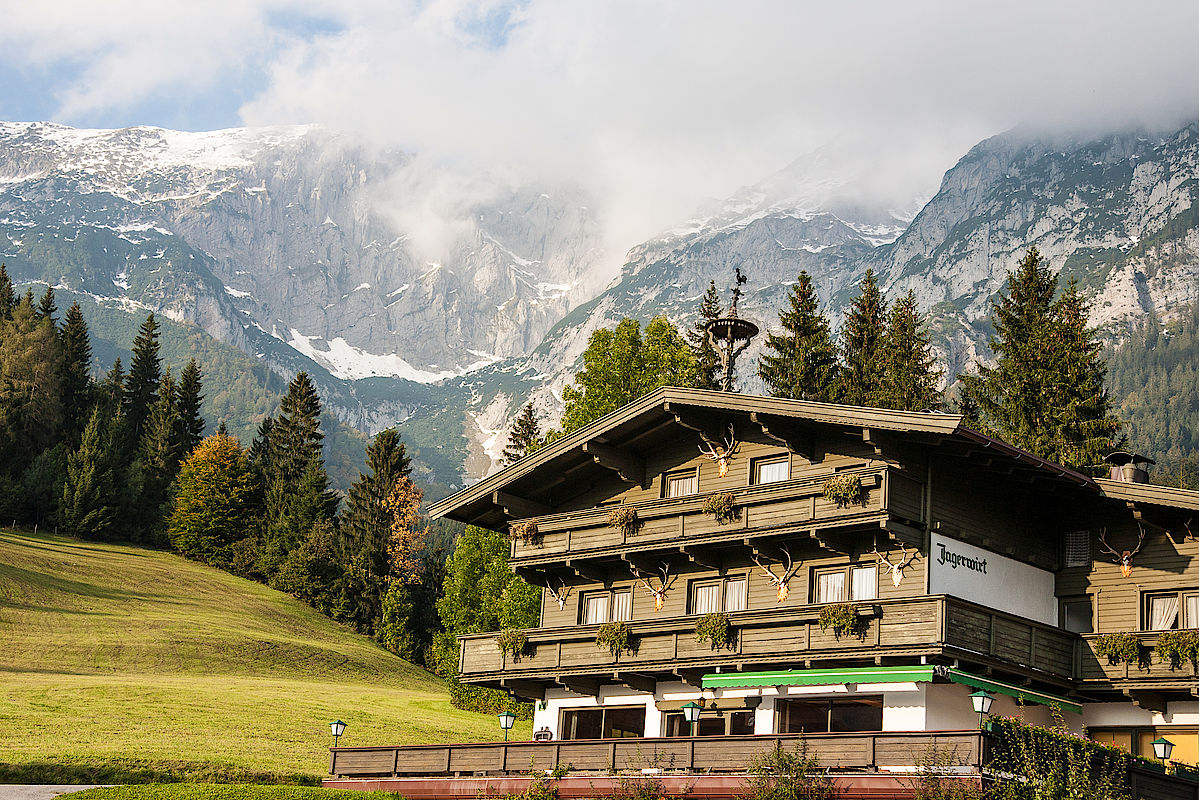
(337, 728)
(507, 719)
(1162, 748)
(691, 714)
(982, 700)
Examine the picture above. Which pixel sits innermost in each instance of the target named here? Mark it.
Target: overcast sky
(652, 105)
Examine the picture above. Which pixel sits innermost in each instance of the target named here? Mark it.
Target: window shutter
(1078, 549)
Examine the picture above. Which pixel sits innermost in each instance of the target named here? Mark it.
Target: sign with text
(991, 580)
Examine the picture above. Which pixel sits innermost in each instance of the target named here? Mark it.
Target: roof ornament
(729, 336)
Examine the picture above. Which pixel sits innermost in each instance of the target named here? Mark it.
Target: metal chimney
(1128, 467)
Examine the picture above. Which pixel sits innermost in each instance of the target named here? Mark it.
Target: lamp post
(507, 719)
(982, 700)
(1162, 748)
(337, 728)
(691, 714)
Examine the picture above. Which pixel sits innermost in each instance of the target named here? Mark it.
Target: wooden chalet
(955, 562)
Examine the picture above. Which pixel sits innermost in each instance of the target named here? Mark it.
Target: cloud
(650, 106)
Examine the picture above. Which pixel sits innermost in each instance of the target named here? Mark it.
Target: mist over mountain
(442, 300)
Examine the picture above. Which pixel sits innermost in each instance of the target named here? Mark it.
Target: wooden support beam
(532, 576)
(870, 437)
(629, 467)
(518, 506)
(524, 690)
(588, 571)
(635, 680)
(778, 429)
(706, 424)
(579, 684)
(1150, 701)
(705, 558)
(691, 677)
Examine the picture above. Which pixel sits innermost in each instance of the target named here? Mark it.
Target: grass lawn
(121, 664)
(210, 791)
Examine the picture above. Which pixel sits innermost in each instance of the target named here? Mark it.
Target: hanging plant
(721, 507)
(1119, 648)
(1177, 648)
(625, 520)
(714, 628)
(512, 642)
(614, 637)
(843, 618)
(844, 490)
(525, 532)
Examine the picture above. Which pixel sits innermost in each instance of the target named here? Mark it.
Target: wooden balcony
(1096, 671)
(705, 754)
(764, 510)
(928, 626)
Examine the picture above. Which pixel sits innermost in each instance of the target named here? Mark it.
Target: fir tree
(861, 345)
(222, 429)
(158, 458)
(46, 309)
(77, 389)
(8, 295)
(260, 448)
(190, 399)
(366, 523)
(89, 505)
(707, 360)
(113, 385)
(30, 388)
(145, 372)
(296, 435)
(908, 372)
(213, 506)
(524, 436)
(800, 362)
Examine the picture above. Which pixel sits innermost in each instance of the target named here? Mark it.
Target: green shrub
(1119, 648)
(780, 774)
(1051, 763)
(714, 628)
(625, 520)
(1177, 648)
(843, 618)
(844, 490)
(721, 507)
(614, 637)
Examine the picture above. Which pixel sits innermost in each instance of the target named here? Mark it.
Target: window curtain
(865, 583)
(1163, 613)
(830, 587)
(734, 595)
(707, 598)
(622, 606)
(597, 609)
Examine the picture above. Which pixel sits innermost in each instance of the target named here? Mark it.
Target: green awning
(919, 674)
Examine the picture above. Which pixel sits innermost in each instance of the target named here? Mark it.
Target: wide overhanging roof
(859, 675)
(654, 418)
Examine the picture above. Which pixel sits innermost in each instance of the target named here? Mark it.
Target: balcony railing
(763, 509)
(918, 626)
(1149, 671)
(716, 754)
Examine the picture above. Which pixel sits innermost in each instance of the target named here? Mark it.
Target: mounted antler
(780, 581)
(1124, 559)
(561, 593)
(721, 453)
(896, 569)
(1190, 536)
(664, 583)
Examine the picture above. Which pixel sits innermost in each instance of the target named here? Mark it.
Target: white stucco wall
(1099, 715)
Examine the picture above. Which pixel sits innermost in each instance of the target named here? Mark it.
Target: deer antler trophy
(721, 452)
(1124, 559)
(896, 569)
(665, 581)
(780, 581)
(561, 594)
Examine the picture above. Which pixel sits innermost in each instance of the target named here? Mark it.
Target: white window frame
(669, 478)
(722, 593)
(610, 611)
(767, 461)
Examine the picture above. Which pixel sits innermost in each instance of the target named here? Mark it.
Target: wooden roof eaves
(1012, 451)
(1150, 493)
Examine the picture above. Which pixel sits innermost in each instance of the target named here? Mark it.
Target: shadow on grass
(131, 771)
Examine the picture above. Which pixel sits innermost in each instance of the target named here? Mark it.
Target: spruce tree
(907, 369)
(800, 362)
(8, 295)
(296, 434)
(861, 345)
(30, 388)
(46, 309)
(77, 389)
(260, 448)
(90, 506)
(113, 385)
(189, 401)
(214, 504)
(707, 360)
(524, 436)
(158, 458)
(145, 372)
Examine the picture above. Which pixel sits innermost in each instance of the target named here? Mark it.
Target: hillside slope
(115, 655)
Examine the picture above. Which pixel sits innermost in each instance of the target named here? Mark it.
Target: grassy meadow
(211, 791)
(120, 664)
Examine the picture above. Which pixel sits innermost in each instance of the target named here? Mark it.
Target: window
(681, 484)
(619, 722)
(1169, 610)
(720, 723)
(1076, 615)
(1077, 546)
(721, 594)
(829, 715)
(772, 469)
(601, 607)
(838, 584)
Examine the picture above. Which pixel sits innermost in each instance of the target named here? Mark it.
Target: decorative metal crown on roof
(729, 335)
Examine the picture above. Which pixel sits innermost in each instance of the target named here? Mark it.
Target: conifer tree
(222, 429)
(30, 388)
(113, 386)
(158, 458)
(145, 372)
(260, 448)
(190, 399)
(213, 506)
(861, 345)
(46, 309)
(907, 369)
(296, 434)
(800, 362)
(77, 389)
(707, 360)
(524, 436)
(89, 506)
(366, 523)
(8, 295)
